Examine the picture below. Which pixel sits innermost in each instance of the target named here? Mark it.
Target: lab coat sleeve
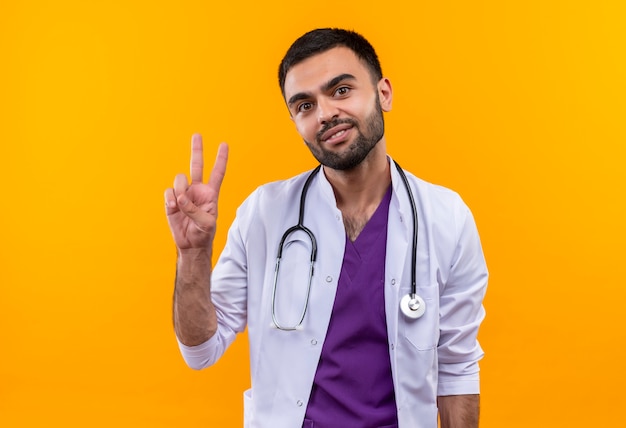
(462, 311)
(228, 293)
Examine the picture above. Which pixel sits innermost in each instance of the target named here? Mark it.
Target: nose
(326, 111)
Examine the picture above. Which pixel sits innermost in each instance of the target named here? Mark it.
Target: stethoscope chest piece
(413, 306)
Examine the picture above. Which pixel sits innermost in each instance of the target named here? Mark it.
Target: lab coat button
(329, 278)
(392, 347)
(393, 281)
(299, 403)
(313, 342)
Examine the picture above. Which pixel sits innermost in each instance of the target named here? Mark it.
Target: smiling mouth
(335, 133)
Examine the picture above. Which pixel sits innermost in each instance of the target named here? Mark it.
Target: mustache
(332, 124)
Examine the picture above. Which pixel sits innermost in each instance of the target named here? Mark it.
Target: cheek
(306, 128)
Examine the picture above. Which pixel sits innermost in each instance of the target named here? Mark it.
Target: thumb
(201, 218)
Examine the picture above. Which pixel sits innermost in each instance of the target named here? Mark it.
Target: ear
(385, 93)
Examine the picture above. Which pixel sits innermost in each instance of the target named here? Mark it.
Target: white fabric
(435, 355)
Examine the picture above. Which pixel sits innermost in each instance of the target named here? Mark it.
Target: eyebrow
(325, 87)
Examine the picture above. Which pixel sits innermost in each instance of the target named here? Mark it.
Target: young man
(370, 316)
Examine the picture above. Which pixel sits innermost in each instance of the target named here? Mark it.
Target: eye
(342, 90)
(304, 107)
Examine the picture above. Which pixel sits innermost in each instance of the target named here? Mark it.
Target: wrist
(192, 256)
(193, 262)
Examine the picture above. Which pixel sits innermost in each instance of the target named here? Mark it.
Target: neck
(358, 192)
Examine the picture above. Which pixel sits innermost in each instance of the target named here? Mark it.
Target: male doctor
(332, 342)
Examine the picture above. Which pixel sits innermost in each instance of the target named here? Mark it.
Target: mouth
(336, 134)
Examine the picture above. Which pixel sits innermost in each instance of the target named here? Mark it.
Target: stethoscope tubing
(415, 230)
(411, 305)
(300, 226)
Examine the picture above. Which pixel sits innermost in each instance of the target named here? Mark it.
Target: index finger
(197, 159)
(219, 168)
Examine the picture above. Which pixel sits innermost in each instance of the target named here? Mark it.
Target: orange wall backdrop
(517, 105)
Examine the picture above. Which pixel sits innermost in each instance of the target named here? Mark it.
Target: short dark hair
(322, 39)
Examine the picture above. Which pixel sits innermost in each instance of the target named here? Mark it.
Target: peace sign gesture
(191, 209)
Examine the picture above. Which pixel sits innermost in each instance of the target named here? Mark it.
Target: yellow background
(517, 105)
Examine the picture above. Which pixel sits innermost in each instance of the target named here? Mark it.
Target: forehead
(313, 72)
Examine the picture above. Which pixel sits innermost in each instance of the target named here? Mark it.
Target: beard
(363, 144)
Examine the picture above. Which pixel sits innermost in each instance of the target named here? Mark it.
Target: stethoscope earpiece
(413, 306)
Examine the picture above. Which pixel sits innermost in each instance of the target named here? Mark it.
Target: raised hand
(191, 209)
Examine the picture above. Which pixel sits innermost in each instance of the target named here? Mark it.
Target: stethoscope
(411, 305)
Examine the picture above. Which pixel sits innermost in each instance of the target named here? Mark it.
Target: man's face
(336, 107)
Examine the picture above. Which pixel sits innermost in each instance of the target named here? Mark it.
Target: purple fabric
(353, 386)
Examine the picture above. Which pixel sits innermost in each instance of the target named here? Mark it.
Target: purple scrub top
(353, 385)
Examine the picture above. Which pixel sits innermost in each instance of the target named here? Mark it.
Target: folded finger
(180, 185)
(170, 201)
